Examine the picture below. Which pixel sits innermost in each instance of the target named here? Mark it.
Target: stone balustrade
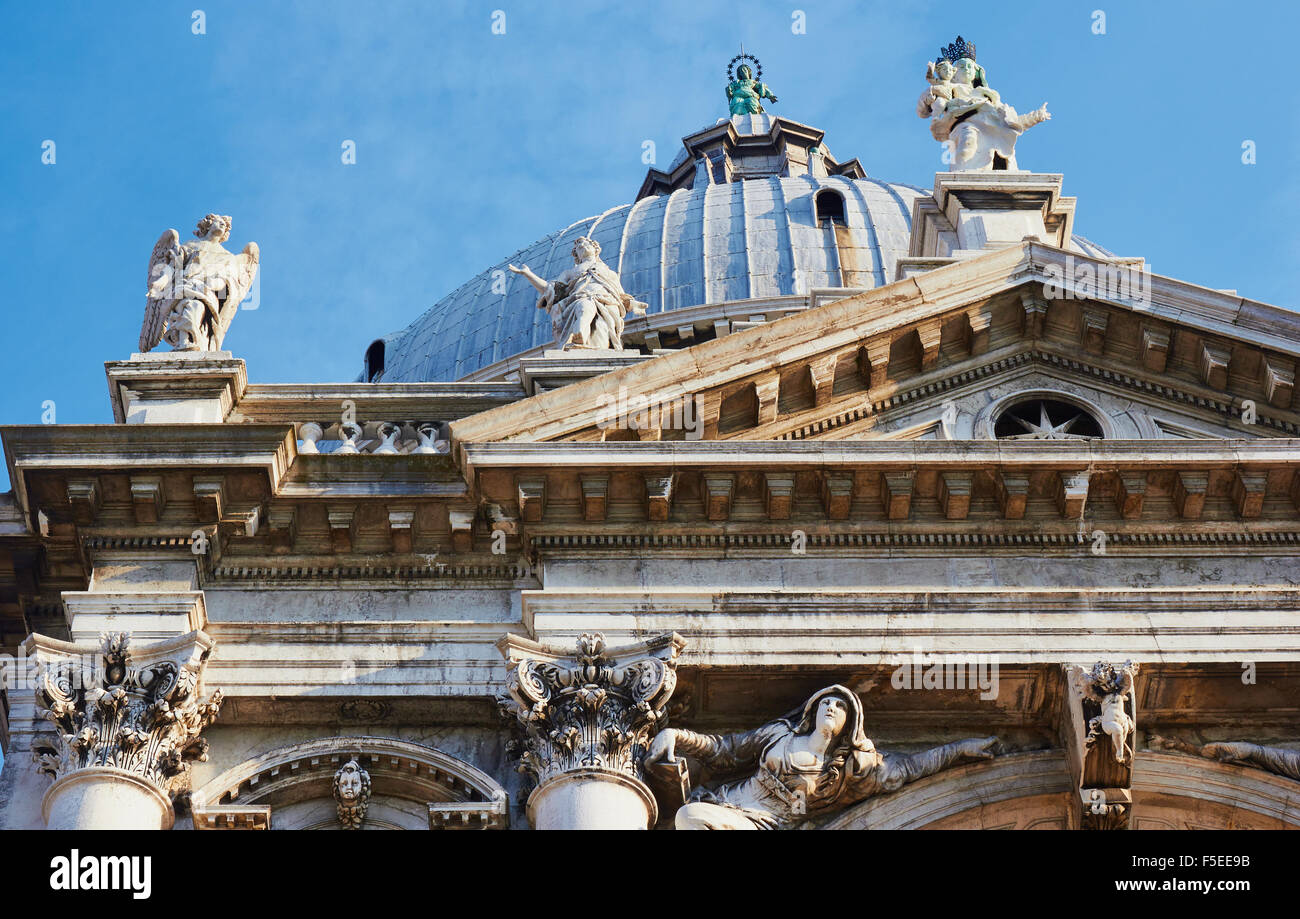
(377, 438)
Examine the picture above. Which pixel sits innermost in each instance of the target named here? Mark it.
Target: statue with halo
(745, 92)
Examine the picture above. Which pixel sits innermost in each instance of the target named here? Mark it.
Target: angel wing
(1126, 679)
(159, 286)
(240, 271)
(1082, 681)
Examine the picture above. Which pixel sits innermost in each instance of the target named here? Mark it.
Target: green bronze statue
(745, 94)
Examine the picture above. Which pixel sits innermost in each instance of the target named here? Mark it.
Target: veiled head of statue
(851, 734)
(584, 248)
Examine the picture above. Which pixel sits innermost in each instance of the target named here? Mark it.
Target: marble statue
(1110, 687)
(352, 793)
(814, 760)
(587, 302)
(1278, 760)
(745, 94)
(967, 113)
(195, 288)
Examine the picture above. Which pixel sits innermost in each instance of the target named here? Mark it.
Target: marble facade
(993, 507)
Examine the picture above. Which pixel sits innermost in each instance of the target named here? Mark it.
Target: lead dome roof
(733, 218)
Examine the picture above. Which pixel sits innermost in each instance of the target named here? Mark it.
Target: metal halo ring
(758, 68)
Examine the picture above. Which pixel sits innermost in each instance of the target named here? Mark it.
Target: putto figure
(968, 115)
(587, 303)
(352, 793)
(195, 289)
(745, 94)
(814, 760)
(1110, 687)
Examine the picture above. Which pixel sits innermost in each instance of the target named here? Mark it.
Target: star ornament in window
(1070, 428)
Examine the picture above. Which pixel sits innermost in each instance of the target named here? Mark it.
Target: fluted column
(126, 722)
(588, 719)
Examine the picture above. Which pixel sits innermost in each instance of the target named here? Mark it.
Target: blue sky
(470, 145)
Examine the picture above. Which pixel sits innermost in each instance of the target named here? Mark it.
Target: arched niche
(1032, 791)
(1178, 791)
(1019, 791)
(413, 787)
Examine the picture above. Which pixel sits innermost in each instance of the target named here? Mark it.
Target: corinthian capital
(596, 708)
(119, 706)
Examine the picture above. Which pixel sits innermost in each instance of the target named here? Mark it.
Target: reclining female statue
(814, 760)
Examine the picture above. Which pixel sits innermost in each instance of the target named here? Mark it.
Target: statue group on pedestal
(968, 115)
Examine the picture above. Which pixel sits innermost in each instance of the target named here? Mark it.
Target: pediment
(972, 411)
(1176, 361)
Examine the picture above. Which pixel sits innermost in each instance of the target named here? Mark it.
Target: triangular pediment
(1157, 358)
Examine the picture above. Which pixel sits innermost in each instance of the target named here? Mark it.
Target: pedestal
(555, 369)
(177, 387)
(973, 212)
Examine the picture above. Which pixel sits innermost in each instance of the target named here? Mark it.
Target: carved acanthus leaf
(144, 718)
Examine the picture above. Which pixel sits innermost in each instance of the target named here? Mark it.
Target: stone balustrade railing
(377, 438)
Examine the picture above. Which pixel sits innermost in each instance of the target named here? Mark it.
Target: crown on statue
(958, 50)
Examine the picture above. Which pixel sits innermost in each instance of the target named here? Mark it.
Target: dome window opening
(828, 206)
(375, 362)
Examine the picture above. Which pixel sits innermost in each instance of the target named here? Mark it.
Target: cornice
(740, 454)
(289, 403)
(845, 324)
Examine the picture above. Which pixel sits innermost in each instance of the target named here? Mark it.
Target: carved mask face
(963, 71)
(832, 714)
(350, 785)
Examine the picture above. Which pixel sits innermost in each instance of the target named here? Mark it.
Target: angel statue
(195, 288)
(587, 302)
(968, 115)
(814, 760)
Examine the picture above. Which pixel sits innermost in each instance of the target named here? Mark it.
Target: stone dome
(752, 207)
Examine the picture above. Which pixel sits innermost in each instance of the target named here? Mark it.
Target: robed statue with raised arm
(587, 302)
(815, 760)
